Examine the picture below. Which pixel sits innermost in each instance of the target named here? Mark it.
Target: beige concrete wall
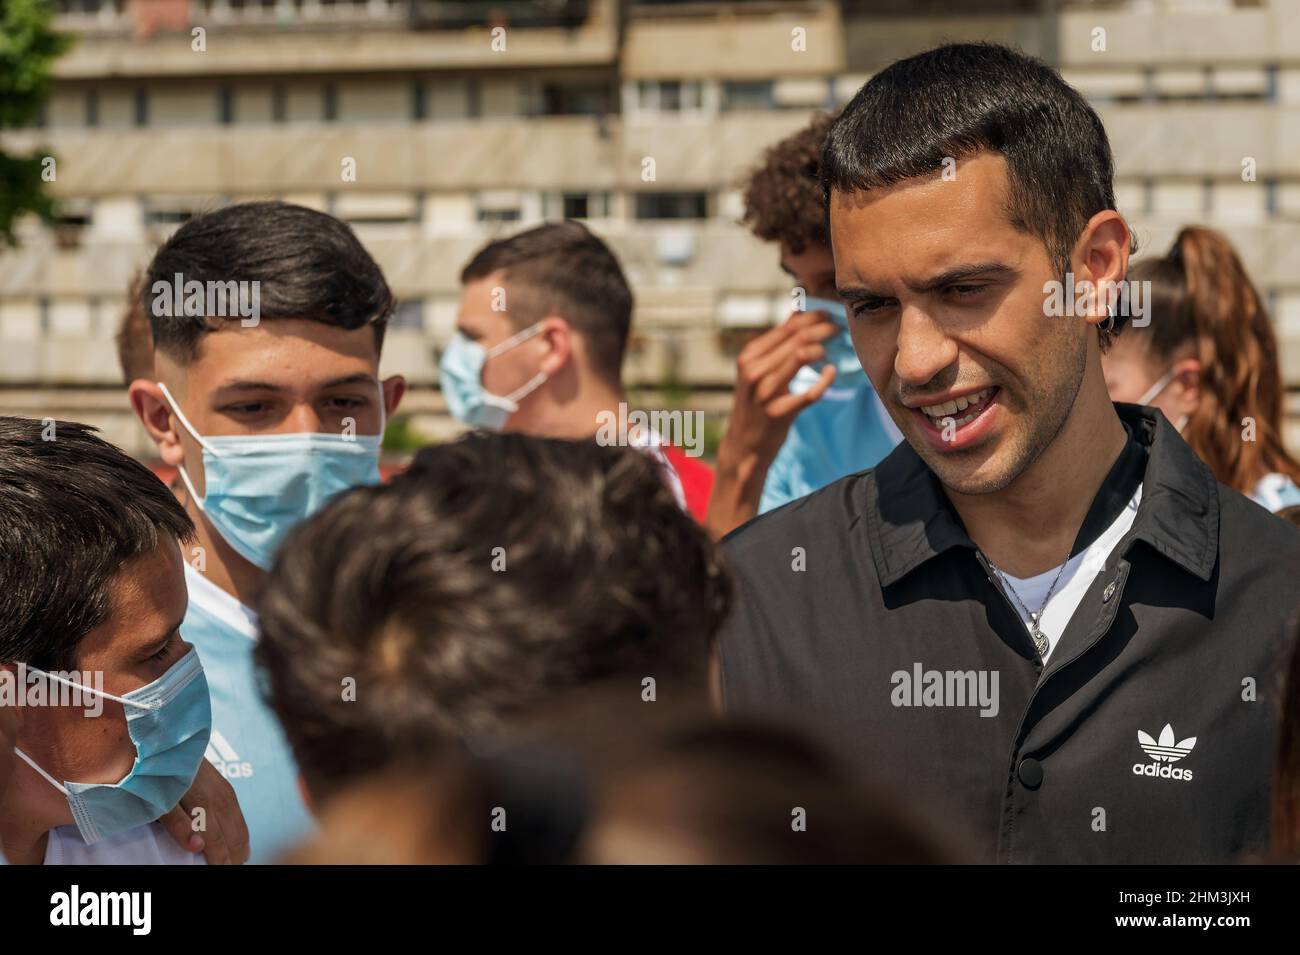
(242, 48)
(791, 39)
(443, 167)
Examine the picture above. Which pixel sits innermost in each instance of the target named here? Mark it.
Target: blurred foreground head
(703, 792)
(495, 576)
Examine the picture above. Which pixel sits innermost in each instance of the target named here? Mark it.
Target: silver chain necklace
(1035, 631)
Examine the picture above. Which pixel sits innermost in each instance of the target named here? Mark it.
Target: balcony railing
(456, 14)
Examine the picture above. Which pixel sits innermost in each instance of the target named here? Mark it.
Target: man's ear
(1101, 258)
(305, 793)
(155, 414)
(558, 336)
(394, 388)
(1188, 375)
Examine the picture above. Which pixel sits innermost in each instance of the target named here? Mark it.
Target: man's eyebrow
(360, 378)
(957, 273)
(248, 386)
(164, 639)
(948, 277)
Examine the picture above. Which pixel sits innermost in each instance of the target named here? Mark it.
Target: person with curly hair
(804, 413)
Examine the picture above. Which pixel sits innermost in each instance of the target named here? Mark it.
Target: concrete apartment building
(466, 120)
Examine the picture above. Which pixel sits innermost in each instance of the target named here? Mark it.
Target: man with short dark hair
(114, 704)
(495, 576)
(1040, 615)
(267, 321)
(543, 326)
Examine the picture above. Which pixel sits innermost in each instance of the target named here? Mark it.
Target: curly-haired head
(499, 572)
(783, 198)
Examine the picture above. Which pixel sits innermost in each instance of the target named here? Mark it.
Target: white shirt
(149, 844)
(1079, 573)
(649, 442)
(1275, 491)
(226, 607)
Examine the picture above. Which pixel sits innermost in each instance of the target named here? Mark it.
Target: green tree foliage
(28, 48)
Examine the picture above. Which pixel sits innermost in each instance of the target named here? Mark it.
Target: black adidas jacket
(1187, 627)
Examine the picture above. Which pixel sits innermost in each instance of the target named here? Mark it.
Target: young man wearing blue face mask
(266, 412)
(804, 412)
(543, 326)
(112, 705)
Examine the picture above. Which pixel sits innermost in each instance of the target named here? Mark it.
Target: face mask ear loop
(515, 339)
(510, 402)
(1160, 385)
(176, 409)
(525, 391)
(185, 422)
(90, 689)
(48, 778)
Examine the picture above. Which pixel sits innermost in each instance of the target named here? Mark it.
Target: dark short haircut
(134, 337)
(561, 268)
(967, 98)
(309, 265)
(498, 572)
(783, 196)
(73, 508)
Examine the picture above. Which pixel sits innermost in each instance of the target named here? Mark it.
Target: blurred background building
(456, 140)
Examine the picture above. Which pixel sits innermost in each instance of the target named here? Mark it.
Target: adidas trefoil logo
(1164, 752)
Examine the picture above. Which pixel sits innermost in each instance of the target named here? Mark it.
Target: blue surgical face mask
(258, 486)
(169, 721)
(839, 347)
(462, 381)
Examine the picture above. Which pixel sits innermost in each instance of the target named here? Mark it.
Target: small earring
(1109, 325)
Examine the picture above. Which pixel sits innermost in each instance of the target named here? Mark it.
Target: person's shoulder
(1251, 528)
(832, 508)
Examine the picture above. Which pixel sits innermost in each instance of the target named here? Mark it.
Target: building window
(141, 107)
(279, 104)
(225, 106)
(331, 103)
(408, 314)
(575, 205)
(92, 107)
(672, 205)
(498, 215)
(419, 101)
(669, 96)
(167, 212)
(743, 94)
(559, 100)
